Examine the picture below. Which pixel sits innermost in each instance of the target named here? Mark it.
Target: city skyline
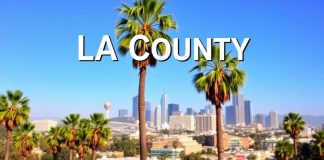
(47, 69)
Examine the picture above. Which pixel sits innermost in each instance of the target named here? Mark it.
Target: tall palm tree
(218, 80)
(293, 124)
(25, 139)
(54, 139)
(82, 144)
(14, 111)
(145, 17)
(318, 142)
(71, 123)
(284, 150)
(97, 131)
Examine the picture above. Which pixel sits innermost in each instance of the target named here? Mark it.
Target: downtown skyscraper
(238, 102)
(259, 119)
(248, 112)
(164, 109)
(273, 120)
(135, 107)
(231, 115)
(157, 117)
(122, 112)
(240, 112)
(190, 111)
(147, 109)
(172, 108)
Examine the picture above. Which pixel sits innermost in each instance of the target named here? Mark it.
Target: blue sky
(39, 42)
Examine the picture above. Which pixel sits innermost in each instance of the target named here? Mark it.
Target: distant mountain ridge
(43, 118)
(311, 120)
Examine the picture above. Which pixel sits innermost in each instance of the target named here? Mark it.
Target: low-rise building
(170, 152)
(229, 141)
(182, 122)
(189, 145)
(205, 123)
(44, 125)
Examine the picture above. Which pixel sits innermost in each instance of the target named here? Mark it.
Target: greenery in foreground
(294, 124)
(81, 136)
(19, 137)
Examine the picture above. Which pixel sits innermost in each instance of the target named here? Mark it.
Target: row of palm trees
(79, 135)
(315, 150)
(294, 124)
(14, 113)
(217, 79)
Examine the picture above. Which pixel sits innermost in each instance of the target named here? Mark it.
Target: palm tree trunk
(94, 156)
(71, 154)
(295, 148)
(55, 156)
(219, 129)
(141, 114)
(7, 146)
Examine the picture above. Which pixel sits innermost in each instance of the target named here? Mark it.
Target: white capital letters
(101, 51)
(222, 42)
(206, 52)
(165, 55)
(132, 47)
(177, 56)
(240, 49)
(82, 56)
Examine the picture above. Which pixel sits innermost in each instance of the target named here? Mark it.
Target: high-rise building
(210, 109)
(248, 112)
(267, 121)
(190, 111)
(157, 117)
(135, 107)
(164, 108)
(172, 107)
(152, 119)
(202, 111)
(205, 123)
(259, 119)
(122, 112)
(147, 111)
(238, 101)
(322, 125)
(182, 122)
(273, 117)
(231, 115)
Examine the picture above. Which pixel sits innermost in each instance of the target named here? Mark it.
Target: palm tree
(318, 142)
(218, 79)
(14, 111)
(293, 124)
(25, 139)
(284, 150)
(97, 131)
(82, 147)
(55, 141)
(143, 18)
(71, 123)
